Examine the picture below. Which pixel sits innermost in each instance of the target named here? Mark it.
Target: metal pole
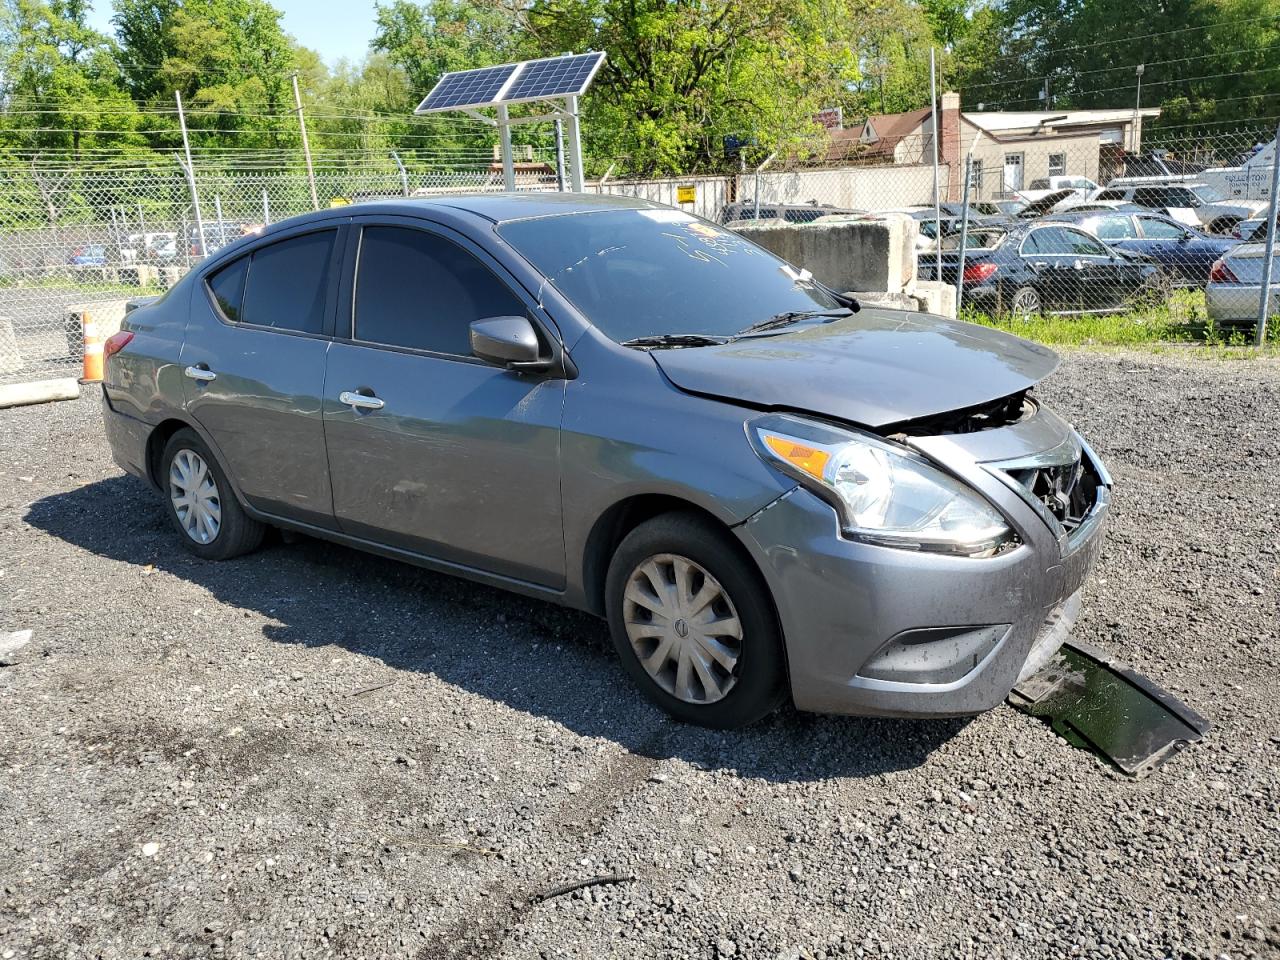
(559, 156)
(217, 209)
(142, 221)
(577, 170)
(504, 136)
(937, 199)
(964, 233)
(767, 160)
(266, 208)
(404, 176)
(1264, 298)
(191, 174)
(306, 144)
(1138, 71)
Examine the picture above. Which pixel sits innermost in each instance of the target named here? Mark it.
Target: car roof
(504, 207)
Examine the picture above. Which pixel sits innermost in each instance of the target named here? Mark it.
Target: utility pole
(191, 174)
(937, 134)
(1138, 71)
(1268, 265)
(306, 146)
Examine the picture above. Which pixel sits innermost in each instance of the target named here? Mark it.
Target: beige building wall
(1080, 152)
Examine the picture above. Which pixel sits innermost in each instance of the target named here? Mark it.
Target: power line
(1149, 36)
(1129, 66)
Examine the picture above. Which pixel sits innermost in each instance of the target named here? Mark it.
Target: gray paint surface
(509, 477)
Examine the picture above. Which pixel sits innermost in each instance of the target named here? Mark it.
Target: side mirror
(509, 342)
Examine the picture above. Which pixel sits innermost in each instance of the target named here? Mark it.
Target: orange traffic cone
(93, 340)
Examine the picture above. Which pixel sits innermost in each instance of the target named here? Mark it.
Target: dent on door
(461, 461)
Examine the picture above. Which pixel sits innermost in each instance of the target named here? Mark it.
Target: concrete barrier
(10, 356)
(874, 259)
(38, 391)
(854, 255)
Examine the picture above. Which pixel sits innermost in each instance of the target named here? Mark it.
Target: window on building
(1057, 164)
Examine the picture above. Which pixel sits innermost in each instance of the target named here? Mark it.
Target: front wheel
(692, 622)
(200, 502)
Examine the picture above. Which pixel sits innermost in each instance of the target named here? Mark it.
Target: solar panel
(566, 76)
(467, 88)
(553, 77)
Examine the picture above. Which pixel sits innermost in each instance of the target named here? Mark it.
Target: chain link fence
(1070, 219)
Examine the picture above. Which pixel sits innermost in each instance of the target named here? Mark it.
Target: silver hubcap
(1026, 302)
(195, 496)
(683, 628)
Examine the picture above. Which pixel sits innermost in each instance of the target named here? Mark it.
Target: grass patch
(1181, 320)
(70, 283)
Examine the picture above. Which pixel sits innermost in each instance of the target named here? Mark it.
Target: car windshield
(1207, 194)
(643, 273)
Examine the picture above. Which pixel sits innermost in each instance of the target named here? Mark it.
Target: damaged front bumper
(883, 631)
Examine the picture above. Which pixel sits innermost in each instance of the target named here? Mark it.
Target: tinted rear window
(288, 282)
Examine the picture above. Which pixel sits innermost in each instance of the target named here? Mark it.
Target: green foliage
(680, 75)
(60, 81)
(1207, 61)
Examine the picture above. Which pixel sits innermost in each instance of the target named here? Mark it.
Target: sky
(333, 28)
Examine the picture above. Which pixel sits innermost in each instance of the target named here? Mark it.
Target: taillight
(1221, 273)
(115, 343)
(978, 272)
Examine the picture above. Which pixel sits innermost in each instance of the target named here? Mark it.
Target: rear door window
(1116, 228)
(421, 291)
(288, 283)
(1080, 244)
(1154, 228)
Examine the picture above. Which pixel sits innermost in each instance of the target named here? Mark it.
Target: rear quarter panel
(144, 381)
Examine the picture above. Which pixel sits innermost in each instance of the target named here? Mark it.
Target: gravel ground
(309, 752)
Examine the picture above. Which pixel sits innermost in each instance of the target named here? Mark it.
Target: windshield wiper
(675, 340)
(793, 316)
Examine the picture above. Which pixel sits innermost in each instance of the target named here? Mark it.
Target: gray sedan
(766, 491)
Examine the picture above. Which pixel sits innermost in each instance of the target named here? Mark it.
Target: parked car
(764, 490)
(1044, 186)
(1184, 253)
(1184, 199)
(1253, 230)
(1047, 203)
(1049, 267)
(790, 212)
(89, 255)
(1233, 297)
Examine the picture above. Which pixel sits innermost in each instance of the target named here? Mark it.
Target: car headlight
(883, 493)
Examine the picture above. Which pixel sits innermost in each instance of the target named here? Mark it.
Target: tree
(62, 88)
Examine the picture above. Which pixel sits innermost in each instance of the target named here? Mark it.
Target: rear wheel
(692, 622)
(1025, 302)
(201, 505)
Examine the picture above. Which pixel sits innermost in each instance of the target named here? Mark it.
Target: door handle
(360, 401)
(1039, 265)
(200, 374)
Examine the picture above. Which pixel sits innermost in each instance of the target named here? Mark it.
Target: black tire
(237, 532)
(759, 674)
(1026, 302)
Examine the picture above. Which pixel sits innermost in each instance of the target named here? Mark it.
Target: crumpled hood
(873, 368)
